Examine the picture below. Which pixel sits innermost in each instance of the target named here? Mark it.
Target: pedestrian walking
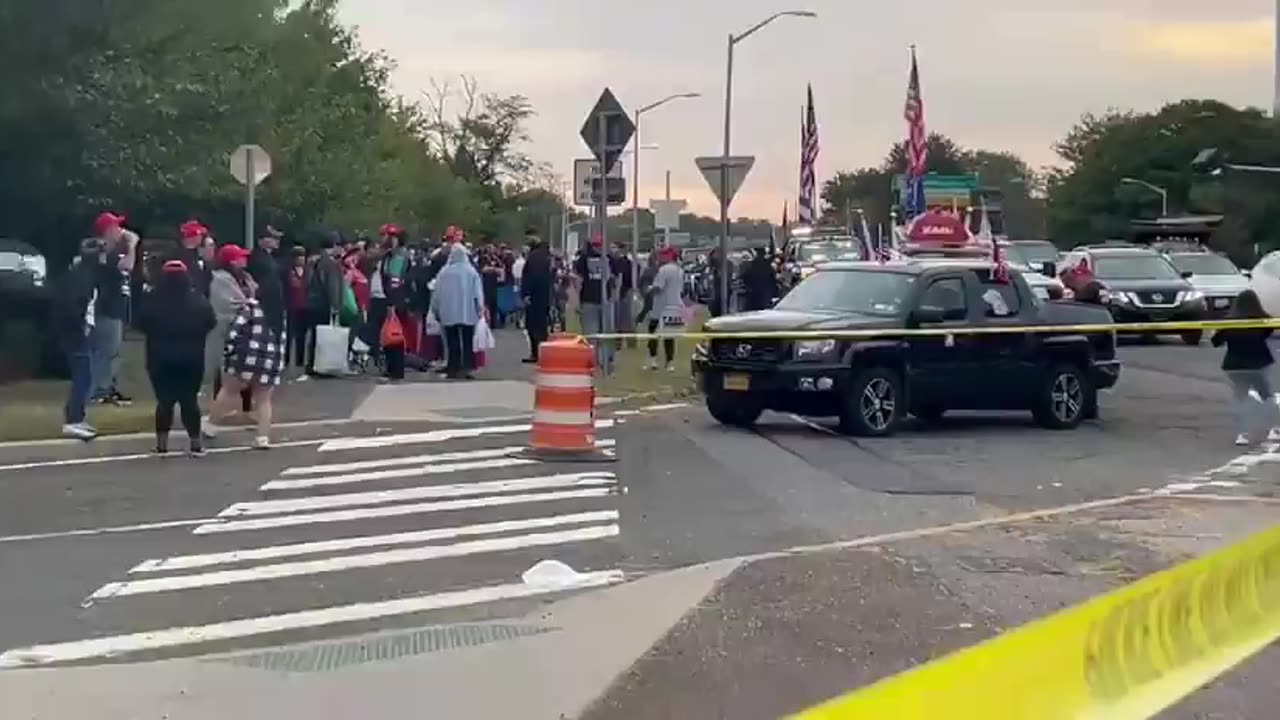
(458, 305)
(1247, 364)
(254, 361)
(668, 316)
(176, 319)
(537, 285)
(230, 289)
(120, 250)
(73, 317)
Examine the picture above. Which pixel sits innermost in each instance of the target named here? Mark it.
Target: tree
(1087, 200)
(1021, 197)
(945, 156)
(480, 140)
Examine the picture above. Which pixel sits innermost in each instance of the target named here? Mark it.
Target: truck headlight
(812, 350)
(1192, 296)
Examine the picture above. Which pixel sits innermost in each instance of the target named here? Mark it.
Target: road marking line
(191, 562)
(116, 645)
(416, 460)
(422, 470)
(433, 436)
(271, 523)
(72, 462)
(88, 532)
(660, 408)
(351, 562)
(383, 497)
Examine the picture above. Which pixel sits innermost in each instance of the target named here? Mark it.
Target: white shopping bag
(433, 326)
(484, 340)
(331, 350)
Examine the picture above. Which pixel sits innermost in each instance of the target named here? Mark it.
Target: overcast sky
(998, 74)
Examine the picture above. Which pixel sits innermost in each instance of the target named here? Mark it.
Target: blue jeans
(80, 362)
(108, 333)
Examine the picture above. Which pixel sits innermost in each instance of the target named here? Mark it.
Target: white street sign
(738, 168)
(584, 173)
(240, 163)
(666, 213)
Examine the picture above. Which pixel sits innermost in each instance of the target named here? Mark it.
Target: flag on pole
(808, 159)
(917, 143)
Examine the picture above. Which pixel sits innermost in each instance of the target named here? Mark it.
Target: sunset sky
(1000, 74)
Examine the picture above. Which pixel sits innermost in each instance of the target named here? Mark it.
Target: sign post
(606, 132)
(250, 165)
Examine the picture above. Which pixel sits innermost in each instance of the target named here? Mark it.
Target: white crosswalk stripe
(468, 512)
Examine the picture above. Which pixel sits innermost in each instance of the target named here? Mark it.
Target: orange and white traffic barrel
(564, 403)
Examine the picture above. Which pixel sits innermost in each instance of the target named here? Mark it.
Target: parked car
(1038, 268)
(1141, 285)
(1037, 252)
(1214, 275)
(23, 271)
(872, 384)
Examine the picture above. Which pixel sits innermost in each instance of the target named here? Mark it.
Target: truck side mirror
(1188, 275)
(1049, 269)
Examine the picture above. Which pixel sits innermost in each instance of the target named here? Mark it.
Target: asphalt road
(348, 528)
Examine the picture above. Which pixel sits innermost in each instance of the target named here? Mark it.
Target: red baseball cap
(391, 229)
(597, 241)
(228, 254)
(192, 228)
(453, 234)
(107, 221)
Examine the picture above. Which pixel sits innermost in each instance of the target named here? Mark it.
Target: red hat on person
(453, 234)
(391, 229)
(174, 266)
(228, 254)
(192, 229)
(597, 241)
(107, 221)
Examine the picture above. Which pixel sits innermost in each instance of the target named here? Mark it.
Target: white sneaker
(1274, 435)
(651, 365)
(671, 368)
(262, 442)
(1242, 441)
(208, 430)
(79, 431)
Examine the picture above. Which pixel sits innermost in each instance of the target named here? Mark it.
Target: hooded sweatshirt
(459, 294)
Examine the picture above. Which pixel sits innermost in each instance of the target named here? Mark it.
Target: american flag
(917, 143)
(808, 158)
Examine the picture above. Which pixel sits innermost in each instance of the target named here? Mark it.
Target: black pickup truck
(872, 384)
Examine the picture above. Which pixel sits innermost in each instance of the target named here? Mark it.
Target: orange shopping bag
(392, 332)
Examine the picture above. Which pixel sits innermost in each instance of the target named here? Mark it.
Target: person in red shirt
(295, 296)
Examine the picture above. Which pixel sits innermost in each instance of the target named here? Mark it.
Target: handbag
(331, 349)
(392, 335)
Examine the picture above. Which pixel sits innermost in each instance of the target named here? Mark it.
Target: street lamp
(635, 169)
(724, 169)
(1164, 194)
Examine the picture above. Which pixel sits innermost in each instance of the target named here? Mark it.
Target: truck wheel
(1192, 337)
(873, 406)
(733, 409)
(1064, 398)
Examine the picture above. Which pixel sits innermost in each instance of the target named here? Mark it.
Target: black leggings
(177, 385)
(668, 344)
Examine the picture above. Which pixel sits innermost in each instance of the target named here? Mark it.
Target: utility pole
(666, 232)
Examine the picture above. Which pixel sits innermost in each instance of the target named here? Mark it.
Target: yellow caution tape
(1125, 655)
(1121, 328)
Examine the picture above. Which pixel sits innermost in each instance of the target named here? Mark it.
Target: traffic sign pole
(251, 191)
(604, 349)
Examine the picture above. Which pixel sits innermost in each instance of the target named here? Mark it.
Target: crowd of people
(231, 325)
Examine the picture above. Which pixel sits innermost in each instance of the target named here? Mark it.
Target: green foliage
(871, 189)
(1088, 201)
(136, 104)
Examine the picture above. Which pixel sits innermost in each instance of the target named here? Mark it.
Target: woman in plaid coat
(254, 358)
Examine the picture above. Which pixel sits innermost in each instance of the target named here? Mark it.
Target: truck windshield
(1204, 264)
(1037, 253)
(815, 252)
(866, 292)
(1135, 267)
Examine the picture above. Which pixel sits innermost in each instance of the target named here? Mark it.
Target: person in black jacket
(1247, 364)
(536, 286)
(760, 282)
(72, 311)
(192, 253)
(176, 319)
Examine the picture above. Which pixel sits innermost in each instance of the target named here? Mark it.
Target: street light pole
(1164, 194)
(635, 170)
(724, 167)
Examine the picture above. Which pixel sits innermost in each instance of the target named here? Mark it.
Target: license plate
(1222, 302)
(737, 382)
